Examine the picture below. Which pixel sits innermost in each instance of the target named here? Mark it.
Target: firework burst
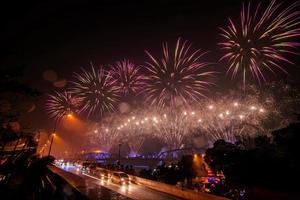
(103, 136)
(258, 43)
(61, 103)
(136, 128)
(179, 77)
(97, 90)
(229, 119)
(174, 127)
(128, 76)
(281, 100)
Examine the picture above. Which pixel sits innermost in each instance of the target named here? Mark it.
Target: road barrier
(176, 191)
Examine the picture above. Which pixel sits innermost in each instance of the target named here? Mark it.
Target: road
(96, 188)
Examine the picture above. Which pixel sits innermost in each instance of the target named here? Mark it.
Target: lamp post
(52, 137)
(120, 153)
(54, 130)
(53, 134)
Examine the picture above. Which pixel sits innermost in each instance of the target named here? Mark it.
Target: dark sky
(66, 35)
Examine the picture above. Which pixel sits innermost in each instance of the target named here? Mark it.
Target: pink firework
(61, 103)
(228, 118)
(97, 90)
(259, 41)
(102, 136)
(136, 128)
(173, 128)
(177, 78)
(128, 76)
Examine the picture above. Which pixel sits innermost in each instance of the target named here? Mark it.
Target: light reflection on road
(132, 191)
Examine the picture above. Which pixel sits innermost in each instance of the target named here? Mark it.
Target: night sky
(64, 36)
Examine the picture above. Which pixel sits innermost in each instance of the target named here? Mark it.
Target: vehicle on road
(104, 174)
(120, 178)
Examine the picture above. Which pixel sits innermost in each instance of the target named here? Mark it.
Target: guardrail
(173, 190)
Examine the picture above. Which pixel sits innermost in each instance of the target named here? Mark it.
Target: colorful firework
(258, 43)
(61, 103)
(103, 136)
(136, 129)
(179, 77)
(222, 119)
(229, 118)
(282, 101)
(97, 90)
(173, 127)
(128, 76)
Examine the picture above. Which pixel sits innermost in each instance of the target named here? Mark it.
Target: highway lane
(132, 191)
(86, 186)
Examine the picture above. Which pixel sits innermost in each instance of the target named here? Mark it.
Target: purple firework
(128, 76)
(179, 77)
(61, 103)
(259, 41)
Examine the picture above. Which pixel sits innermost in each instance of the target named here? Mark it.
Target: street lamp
(53, 135)
(69, 114)
(120, 153)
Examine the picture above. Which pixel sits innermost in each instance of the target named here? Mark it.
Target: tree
(269, 162)
(186, 168)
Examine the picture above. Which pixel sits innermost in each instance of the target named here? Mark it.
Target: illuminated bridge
(146, 160)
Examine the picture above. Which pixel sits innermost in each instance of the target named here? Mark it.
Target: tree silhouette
(267, 162)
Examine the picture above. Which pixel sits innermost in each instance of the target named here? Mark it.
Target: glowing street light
(69, 115)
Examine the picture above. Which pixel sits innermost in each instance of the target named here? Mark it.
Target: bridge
(141, 161)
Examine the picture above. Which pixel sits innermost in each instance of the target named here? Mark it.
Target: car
(104, 174)
(85, 167)
(120, 178)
